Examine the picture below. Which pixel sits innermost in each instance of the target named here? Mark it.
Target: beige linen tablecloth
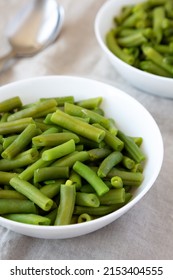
(146, 231)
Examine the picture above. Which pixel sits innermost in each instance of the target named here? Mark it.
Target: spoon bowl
(33, 28)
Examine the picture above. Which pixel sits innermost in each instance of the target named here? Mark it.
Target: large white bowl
(130, 116)
(150, 83)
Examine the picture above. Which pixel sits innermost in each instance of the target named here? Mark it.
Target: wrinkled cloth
(146, 231)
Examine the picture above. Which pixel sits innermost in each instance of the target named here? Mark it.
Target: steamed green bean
(58, 169)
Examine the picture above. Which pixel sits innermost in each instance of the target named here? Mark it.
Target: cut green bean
(51, 172)
(52, 189)
(59, 151)
(153, 68)
(11, 194)
(79, 111)
(116, 49)
(16, 126)
(157, 58)
(54, 139)
(8, 206)
(23, 159)
(114, 196)
(76, 179)
(111, 140)
(31, 192)
(66, 206)
(91, 177)
(84, 218)
(129, 178)
(117, 182)
(109, 162)
(90, 103)
(71, 158)
(96, 211)
(21, 142)
(10, 104)
(77, 126)
(5, 177)
(134, 151)
(33, 219)
(128, 162)
(87, 199)
(98, 153)
(33, 110)
(60, 100)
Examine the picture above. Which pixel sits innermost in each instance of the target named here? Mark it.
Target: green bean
(16, 126)
(134, 151)
(33, 219)
(76, 179)
(109, 162)
(77, 126)
(113, 196)
(52, 189)
(129, 178)
(96, 211)
(112, 127)
(60, 99)
(5, 177)
(8, 206)
(87, 188)
(112, 43)
(134, 40)
(79, 111)
(147, 26)
(137, 168)
(158, 17)
(87, 199)
(52, 216)
(71, 158)
(98, 153)
(133, 18)
(90, 144)
(84, 218)
(128, 162)
(8, 140)
(151, 67)
(54, 139)
(157, 58)
(125, 13)
(59, 151)
(23, 159)
(4, 117)
(117, 182)
(66, 206)
(90, 103)
(51, 172)
(112, 141)
(33, 110)
(91, 177)
(21, 142)
(10, 104)
(11, 194)
(28, 173)
(137, 140)
(31, 192)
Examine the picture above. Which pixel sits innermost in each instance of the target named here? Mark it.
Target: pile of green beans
(64, 162)
(143, 36)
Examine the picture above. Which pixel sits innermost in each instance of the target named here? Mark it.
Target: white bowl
(144, 81)
(129, 114)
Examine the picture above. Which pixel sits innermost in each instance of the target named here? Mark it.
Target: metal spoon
(34, 27)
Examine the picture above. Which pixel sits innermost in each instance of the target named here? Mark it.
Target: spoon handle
(6, 58)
